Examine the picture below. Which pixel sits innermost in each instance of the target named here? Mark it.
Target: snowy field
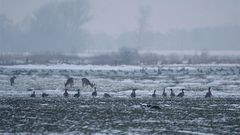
(192, 114)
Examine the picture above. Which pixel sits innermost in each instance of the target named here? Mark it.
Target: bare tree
(8, 34)
(58, 26)
(142, 25)
(128, 56)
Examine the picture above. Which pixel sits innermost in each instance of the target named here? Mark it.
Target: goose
(154, 94)
(164, 94)
(94, 94)
(172, 93)
(153, 106)
(33, 94)
(44, 94)
(209, 93)
(65, 94)
(106, 95)
(77, 95)
(12, 80)
(181, 94)
(133, 94)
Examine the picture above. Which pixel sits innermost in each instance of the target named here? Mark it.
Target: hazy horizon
(108, 25)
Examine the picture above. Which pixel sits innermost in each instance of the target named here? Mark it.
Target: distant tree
(57, 26)
(6, 33)
(4, 25)
(142, 25)
(204, 56)
(128, 55)
(149, 59)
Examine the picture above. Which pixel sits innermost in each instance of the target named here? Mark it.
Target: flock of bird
(86, 82)
(172, 94)
(133, 94)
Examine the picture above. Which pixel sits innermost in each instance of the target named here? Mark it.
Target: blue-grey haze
(70, 25)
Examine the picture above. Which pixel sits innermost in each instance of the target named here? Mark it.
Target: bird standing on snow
(172, 93)
(133, 94)
(106, 95)
(65, 94)
(44, 95)
(154, 94)
(94, 94)
(77, 95)
(12, 80)
(33, 94)
(209, 93)
(181, 94)
(164, 94)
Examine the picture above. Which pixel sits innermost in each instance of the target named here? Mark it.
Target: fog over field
(120, 67)
(79, 25)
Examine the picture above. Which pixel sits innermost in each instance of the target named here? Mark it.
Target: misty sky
(117, 16)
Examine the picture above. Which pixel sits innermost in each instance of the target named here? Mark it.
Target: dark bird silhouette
(209, 93)
(33, 94)
(77, 95)
(164, 94)
(181, 94)
(12, 80)
(154, 94)
(154, 107)
(133, 94)
(65, 94)
(106, 95)
(172, 93)
(94, 94)
(44, 95)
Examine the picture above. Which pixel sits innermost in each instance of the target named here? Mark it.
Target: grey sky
(116, 16)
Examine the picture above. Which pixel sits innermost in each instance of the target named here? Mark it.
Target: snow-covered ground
(119, 80)
(121, 114)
